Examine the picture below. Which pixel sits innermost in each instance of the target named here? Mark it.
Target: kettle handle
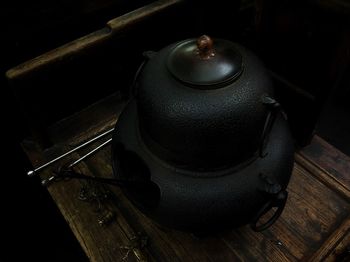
(278, 201)
(147, 56)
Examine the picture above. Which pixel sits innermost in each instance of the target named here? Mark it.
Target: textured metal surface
(198, 201)
(202, 129)
(208, 158)
(205, 63)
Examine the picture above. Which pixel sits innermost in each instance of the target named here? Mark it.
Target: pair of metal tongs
(69, 167)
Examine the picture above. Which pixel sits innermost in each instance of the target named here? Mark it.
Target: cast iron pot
(203, 144)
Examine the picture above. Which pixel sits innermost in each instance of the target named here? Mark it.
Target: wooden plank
(312, 225)
(304, 225)
(165, 244)
(342, 251)
(336, 163)
(59, 54)
(94, 39)
(313, 212)
(324, 176)
(127, 20)
(92, 120)
(100, 243)
(336, 245)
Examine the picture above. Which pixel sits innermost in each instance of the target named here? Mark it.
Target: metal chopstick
(90, 153)
(34, 171)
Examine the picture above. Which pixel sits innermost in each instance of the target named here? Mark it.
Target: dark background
(304, 44)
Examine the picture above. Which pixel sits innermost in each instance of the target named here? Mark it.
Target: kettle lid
(205, 63)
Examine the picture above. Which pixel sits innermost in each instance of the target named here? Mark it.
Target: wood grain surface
(314, 225)
(92, 40)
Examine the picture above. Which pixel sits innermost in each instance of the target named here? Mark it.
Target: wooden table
(314, 226)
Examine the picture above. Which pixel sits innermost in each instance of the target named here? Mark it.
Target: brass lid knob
(205, 63)
(205, 47)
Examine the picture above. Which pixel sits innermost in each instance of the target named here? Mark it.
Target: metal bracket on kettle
(278, 200)
(274, 108)
(147, 56)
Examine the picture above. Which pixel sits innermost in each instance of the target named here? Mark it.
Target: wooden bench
(314, 226)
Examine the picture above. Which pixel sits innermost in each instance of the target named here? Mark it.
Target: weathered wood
(336, 163)
(342, 251)
(92, 120)
(122, 22)
(312, 213)
(314, 222)
(100, 243)
(325, 176)
(335, 245)
(94, 39)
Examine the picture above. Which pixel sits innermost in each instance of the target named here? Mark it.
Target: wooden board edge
(323, 176)
(328, 246)
(60, 54)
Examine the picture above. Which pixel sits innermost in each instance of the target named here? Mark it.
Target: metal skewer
(33, 172)
(47, 181)
(90, 153)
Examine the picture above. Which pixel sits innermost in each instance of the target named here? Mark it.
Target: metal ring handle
(279, 201)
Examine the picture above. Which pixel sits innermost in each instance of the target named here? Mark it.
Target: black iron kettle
(204, 139)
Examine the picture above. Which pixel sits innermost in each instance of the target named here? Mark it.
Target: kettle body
(203, 140)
